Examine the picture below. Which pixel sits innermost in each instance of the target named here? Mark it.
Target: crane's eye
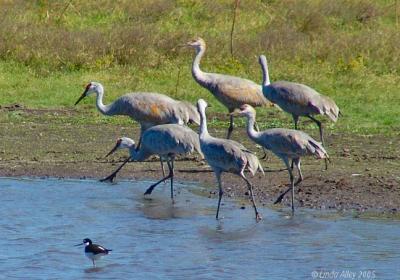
(88, 86)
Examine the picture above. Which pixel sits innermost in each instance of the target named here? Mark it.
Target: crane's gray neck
(138, 155)
(203, 124)
(265, 74)
(104, 109)
(199, 75)
(253, 134)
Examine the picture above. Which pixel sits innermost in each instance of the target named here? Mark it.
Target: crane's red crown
(88, 86)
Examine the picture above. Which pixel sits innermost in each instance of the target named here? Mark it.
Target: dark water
(152, 239)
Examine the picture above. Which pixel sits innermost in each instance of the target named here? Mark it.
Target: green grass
(345, 49)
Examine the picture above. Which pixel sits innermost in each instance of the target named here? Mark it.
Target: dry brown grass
(71, 35)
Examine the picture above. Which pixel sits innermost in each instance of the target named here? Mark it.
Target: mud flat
(363, 177)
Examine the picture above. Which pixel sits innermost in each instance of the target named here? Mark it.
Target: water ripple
(153, 239)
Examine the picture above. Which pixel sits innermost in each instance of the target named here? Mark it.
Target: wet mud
(362, 178)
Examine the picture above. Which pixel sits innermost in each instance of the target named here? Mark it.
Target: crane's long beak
(189, 44)
(181, 45)
(235, 113)
(78, 244)
(81, 97)
(178, 47)
(113, 149)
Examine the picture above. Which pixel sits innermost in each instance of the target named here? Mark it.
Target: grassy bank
(345, 49)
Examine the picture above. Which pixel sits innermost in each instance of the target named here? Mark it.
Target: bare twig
(233, 23)
(177, 80)
(65, 9)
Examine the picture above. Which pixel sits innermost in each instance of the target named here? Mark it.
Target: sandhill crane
(298, 99)
(231, 91)
(166, 141)
(149, 109)
(284, 143)
(224, 155)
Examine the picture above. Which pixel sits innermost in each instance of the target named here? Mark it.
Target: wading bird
(287, 144)
(231, 91)
(93, 251)
(298, 99)
(148, 109)
(166, 141)
(224, 155)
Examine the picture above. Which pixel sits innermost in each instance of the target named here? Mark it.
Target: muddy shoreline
(364, 175)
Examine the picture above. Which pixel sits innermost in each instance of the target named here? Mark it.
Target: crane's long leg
(301, 178)
(297, 163)
(320, 128)
(291, 184)
(258, 216)
(296, 120)
(94, 265)
(282, 195)
(220, 193)
(142, 129)
(171, 168)
(162, 167)
(265, 152)
(139, 143)
(321, 135)
(151, 188)
(111, 177)
(230, 129)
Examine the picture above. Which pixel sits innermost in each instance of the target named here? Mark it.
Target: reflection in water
(155, 239)
(221, 232)
(161, 207)
(94, 269)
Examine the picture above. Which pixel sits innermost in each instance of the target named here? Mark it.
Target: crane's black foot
(279, 199)
(217, 217)
(282, 195)
(258, 217)
(109, 179)
(149, 190)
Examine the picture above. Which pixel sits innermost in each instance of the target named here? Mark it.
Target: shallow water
(153, 239)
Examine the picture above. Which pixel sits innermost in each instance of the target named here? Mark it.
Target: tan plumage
(224, 155)
(231, 91)
(298, 99)
(287, 144)
(167, 141)
(147, 108)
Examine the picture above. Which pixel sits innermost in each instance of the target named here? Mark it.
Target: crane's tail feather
(197, 148)
(200, 153)
(317, 149)
(254, 164)
(330, 108)
(333, 114)
(190, 112)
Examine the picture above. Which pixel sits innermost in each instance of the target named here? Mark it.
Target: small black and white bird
(93, 251)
